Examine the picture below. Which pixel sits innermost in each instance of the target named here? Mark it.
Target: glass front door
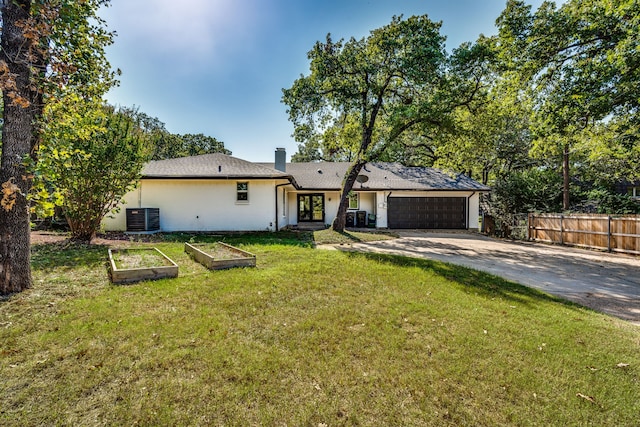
(310, 207)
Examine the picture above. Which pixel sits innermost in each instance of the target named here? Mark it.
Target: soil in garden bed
(138, 258)
(219, 251)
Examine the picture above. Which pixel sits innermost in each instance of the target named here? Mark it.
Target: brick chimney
(281, 160)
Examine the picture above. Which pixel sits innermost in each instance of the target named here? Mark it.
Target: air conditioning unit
(143, 219)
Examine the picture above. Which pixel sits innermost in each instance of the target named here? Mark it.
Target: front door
(310, 207)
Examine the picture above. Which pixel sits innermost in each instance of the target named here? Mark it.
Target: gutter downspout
(468, 206)
(276, 188)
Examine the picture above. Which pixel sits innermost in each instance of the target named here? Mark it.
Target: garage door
(427, 212)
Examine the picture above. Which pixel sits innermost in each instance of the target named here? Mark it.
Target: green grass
(330, 237)
(309, 337)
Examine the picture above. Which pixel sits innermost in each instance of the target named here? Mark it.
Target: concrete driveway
(609, 283)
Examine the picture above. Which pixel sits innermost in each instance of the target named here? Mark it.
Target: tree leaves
(384, 83)
(10, 193)
(93, 155)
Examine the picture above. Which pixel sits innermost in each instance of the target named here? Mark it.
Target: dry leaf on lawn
(585, 397)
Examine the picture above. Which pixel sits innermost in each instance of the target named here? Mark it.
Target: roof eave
(221, 177)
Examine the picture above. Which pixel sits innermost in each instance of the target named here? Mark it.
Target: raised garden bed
(132, 265)
(218, 256)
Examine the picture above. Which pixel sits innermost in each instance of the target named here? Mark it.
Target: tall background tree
(579, 63)
(46, 47)
(168, 145)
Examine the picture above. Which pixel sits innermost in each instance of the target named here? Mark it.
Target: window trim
(354, 196)
(240, 201)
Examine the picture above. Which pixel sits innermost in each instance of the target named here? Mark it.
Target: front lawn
(309, 337)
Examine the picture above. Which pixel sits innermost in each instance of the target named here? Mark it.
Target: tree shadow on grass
(331, 237)
(285, 237)
(481, 283)
(67, 254)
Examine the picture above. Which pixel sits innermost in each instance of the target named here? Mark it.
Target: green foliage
(93, 155)
(489, 141)
(609, 153)
(338, 143)
(367, 82)
(608, 202)
(420, 123)
(579, 63)
(361, 96)
(170, 146)
(580, 59)
(530, 190)
(191, 145)
(76, 47)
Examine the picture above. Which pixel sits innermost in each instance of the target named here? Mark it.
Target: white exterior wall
(118, 221)
(331, 203)
(367, 202)
(210, 205)
(474, 211)
(381, 209)
(284, 203)
(203, 205)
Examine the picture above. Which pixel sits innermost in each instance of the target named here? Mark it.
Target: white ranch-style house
(218, 192)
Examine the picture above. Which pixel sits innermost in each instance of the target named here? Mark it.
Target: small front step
(309, 226)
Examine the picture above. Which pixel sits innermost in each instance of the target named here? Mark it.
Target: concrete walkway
(609, 283)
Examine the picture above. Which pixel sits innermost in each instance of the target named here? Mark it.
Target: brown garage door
(427, 212)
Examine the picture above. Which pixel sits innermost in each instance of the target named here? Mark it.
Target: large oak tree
(388, 83)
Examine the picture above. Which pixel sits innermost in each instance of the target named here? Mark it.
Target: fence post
(609, 234)
(561, 230)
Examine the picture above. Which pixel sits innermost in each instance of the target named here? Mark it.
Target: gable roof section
(209, 166)
(381, 176)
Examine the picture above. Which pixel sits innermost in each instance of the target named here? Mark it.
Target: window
(354, 200)
(242, 192)
(633, 192)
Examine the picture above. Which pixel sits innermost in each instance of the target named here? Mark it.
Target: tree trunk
(565, 175)
(81, 230)
(339, 222)
(21, 108)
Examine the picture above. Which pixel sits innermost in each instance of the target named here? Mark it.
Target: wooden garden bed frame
(128, 275)
(240, 259)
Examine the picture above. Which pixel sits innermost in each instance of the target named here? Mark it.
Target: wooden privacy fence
(612, 233)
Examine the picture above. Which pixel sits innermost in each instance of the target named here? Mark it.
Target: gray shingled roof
(209, 166)
(312, 176)
(430, 178)
(317, 176)
(381, 176)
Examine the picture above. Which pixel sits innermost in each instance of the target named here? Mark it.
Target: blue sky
(218, 67)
